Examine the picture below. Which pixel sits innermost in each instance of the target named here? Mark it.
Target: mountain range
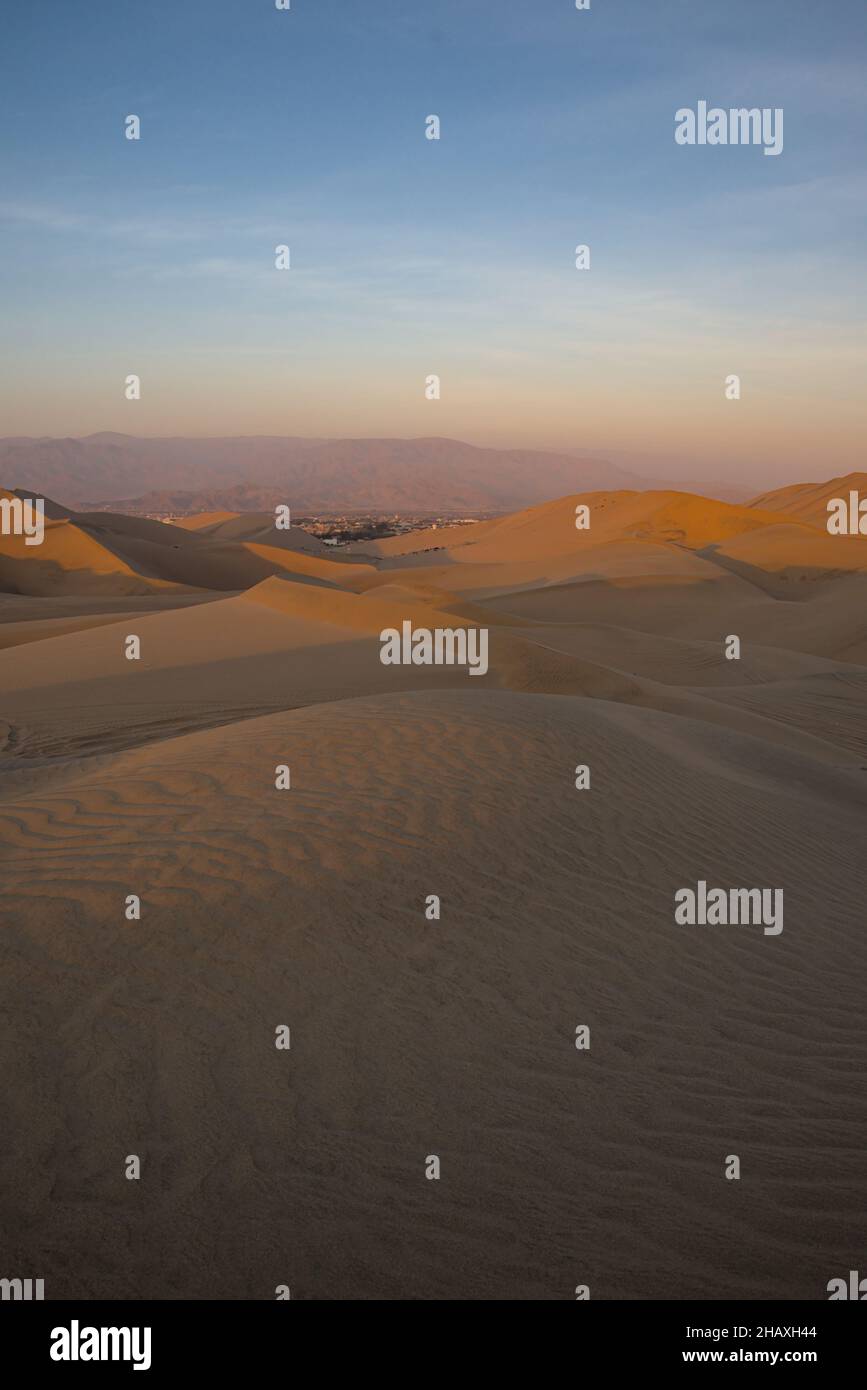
(255, 473)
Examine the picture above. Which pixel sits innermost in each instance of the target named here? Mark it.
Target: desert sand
(306, 907)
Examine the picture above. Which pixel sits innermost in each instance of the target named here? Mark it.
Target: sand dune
(255, 527)
(306, 907)
(786, 562)
(285, 645)
(809, 501)
(456, 1038)
(280, 645)
(100, 553)
(549, 529)
(69, 560)
(203, 521)
(16, 634)
(54, 511)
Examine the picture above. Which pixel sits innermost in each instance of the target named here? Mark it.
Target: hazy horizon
(649, 471)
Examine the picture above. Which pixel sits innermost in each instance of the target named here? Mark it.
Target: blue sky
(410, 257)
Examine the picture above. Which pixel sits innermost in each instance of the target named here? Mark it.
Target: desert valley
(615, 747)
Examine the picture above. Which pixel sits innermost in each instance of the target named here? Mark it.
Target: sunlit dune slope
(549, 529)
(809, 501)
(672, 541)
(203, 521)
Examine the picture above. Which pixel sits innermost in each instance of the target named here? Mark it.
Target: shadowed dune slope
(256, 527)
(100, 553)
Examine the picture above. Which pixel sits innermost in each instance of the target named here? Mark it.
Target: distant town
(348, 530)
(337, 530)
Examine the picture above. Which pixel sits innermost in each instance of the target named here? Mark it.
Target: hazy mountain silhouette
(313, 474)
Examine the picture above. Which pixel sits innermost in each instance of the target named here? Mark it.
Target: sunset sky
(455, 257)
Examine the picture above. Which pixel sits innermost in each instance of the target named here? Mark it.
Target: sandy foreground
(306, 908)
